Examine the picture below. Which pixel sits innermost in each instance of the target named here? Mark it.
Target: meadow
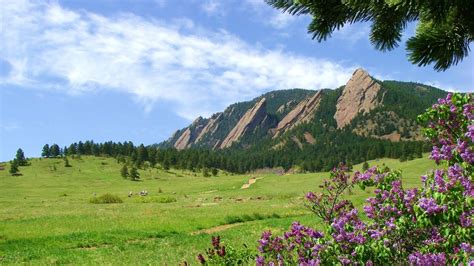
(46, 216)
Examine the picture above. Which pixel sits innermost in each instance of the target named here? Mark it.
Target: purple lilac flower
(470, 132)
(418, 258)
(466, 219)
(310, 196)
(430, 206)
(436, 154)
(439, 181)
(468, 111)
(467, 247)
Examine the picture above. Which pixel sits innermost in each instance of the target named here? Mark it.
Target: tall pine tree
(20, 158)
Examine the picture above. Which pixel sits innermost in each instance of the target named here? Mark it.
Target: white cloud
(50, 47)
(212, 7)
(271, 16)
(353, 32)
(281, 20)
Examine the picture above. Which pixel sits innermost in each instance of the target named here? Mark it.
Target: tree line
(322, 156)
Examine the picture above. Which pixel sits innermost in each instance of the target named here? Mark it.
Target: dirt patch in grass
(250, 182)
(216, 229)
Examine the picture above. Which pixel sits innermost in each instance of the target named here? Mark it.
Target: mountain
(364, 107)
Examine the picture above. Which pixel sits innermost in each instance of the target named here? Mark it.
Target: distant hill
(364, 106)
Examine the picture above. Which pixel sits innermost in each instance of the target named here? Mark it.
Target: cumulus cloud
(53, 48)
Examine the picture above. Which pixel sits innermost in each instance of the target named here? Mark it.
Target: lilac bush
(432, 225)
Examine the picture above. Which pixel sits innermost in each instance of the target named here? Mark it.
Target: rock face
(303, 112)
(189, 135)
(253, 117)
(210, 127)
(359, 95)
(183, 140)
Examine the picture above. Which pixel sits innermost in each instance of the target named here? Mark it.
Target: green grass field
(46, 217)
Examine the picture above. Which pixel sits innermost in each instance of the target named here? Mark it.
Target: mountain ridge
(364, 106)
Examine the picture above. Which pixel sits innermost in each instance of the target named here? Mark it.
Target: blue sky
(138, 70)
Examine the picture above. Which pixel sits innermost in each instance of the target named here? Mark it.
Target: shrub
(205, 172)
(365, 166)
(163, 199)
(66, 162)
(233, 219)
(106, 199)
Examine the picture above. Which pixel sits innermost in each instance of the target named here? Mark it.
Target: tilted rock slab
(210, 127)
(359, 95)
(303, 112)
(183, 140)
(187, 137)
(249, 121)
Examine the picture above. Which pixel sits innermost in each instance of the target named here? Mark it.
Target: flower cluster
(427, 259)
(438, 217)
(300, 245)
(430, 206)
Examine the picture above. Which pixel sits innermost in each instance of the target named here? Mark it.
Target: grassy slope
(45, 216)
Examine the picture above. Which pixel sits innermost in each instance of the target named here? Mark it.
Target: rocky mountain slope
(364, 107)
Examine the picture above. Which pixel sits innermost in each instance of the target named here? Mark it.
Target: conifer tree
(20, 158)
(54, 151)
(443, 35)
(45, 152)
(134, 174)
(365, 166)
(14, 167)
(124, 171)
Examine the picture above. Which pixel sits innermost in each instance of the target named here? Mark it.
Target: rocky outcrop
(210, 127)
(359, 95)
(188, 137)
(253, 117)
(183, 140)
(303, 112)
(309, 138)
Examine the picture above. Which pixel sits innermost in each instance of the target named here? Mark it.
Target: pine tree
(134, 175)
(443, 35)
(365, 166)
(142, 155)
(124, 171)
(45, 152)
(166, 165)
(14, 167)
(205, 172)
(20, 158)
(54, 151)
(214, 171)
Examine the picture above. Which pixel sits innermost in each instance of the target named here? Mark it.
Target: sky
(139, 70)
